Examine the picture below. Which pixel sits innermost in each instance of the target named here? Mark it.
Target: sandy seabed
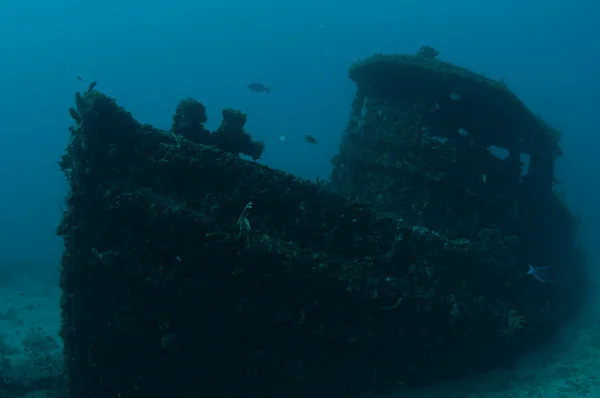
(30, 352)
(569, 367)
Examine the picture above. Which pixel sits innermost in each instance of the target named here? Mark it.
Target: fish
(259, 88)
(91, 86)
(283, 138)
(310, 139)
(542, 274)
(79, 78)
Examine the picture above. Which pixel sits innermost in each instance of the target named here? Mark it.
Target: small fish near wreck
(310, 139)
(258, 88)
(91, 87)
(542, 274)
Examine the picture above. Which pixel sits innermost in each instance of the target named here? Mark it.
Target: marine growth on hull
(439, 146)
(191, 272)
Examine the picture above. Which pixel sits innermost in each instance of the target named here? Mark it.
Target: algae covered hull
(189, 271)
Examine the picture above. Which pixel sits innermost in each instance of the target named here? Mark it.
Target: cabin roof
(461, 98)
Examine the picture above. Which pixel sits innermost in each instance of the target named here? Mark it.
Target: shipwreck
(189, 271)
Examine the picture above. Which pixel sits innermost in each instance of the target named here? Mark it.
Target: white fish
(454, 96)
(463, 132)
(283, 138)
(542, 274)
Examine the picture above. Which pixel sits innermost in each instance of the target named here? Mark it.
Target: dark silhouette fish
(91, 86)
(310, 139)
(258, 88)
